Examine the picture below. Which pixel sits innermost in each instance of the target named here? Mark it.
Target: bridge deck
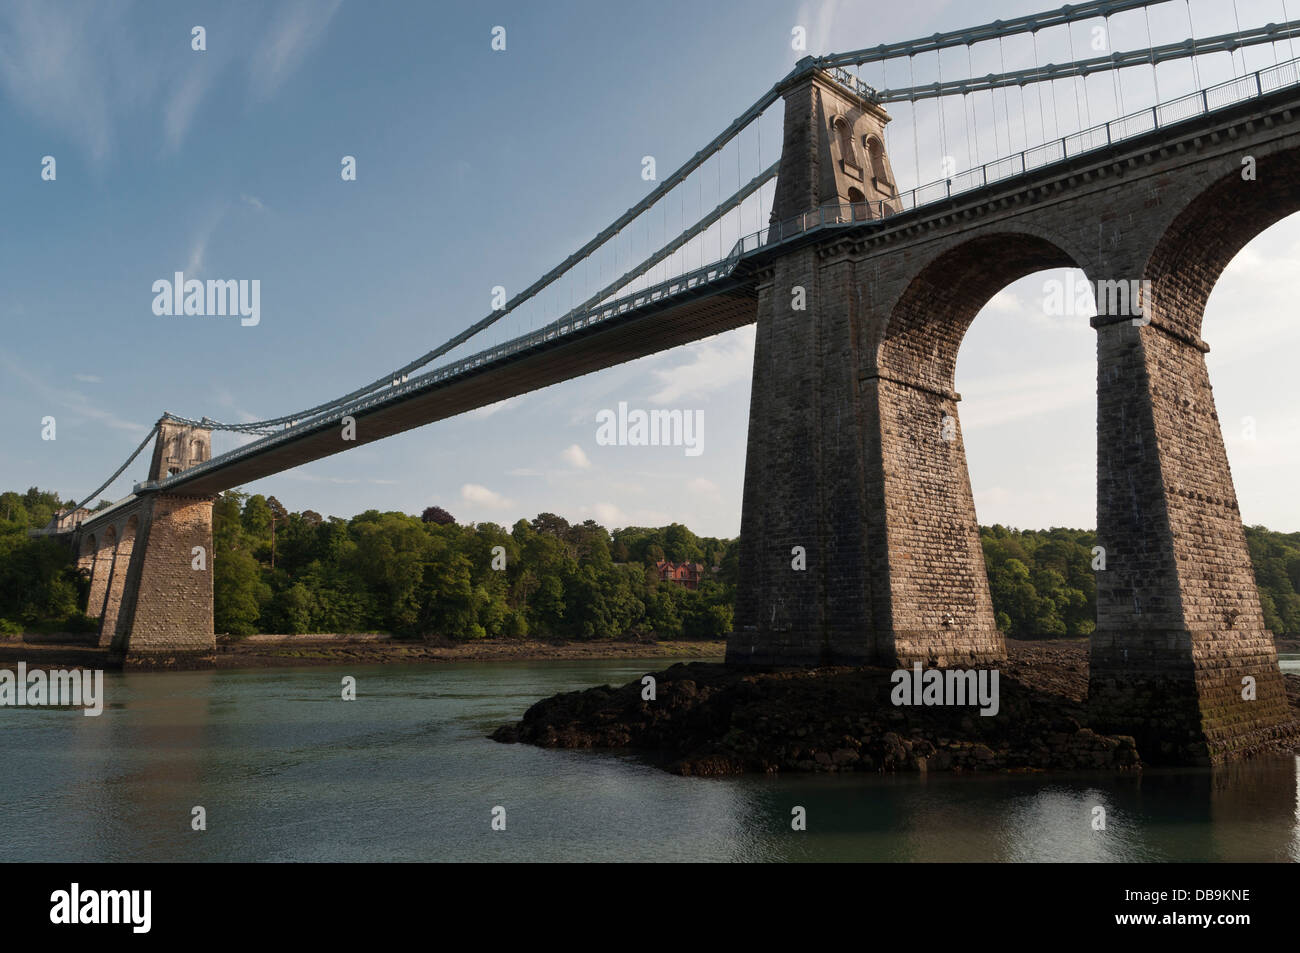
(721, 305)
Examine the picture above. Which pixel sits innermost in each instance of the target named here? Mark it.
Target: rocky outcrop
(707, 719)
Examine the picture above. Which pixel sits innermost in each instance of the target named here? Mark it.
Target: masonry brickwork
(99, 546)
(117, 575)
(154, 589)
(855, 447)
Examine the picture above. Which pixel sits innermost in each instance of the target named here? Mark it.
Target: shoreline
(298, 651)
(270, 652)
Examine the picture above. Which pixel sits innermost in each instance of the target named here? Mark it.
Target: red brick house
(684, 574)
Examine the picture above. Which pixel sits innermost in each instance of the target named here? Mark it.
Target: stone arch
(848, 149)
(1194, 249)
(117, 581)
(100, 571)
(86, 555)
(928, 322)
(879, 167)
(858, 202)
(1179, 621)
(919, 500)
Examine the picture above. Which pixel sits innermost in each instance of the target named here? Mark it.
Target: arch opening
(928, 323)
(1211, 230)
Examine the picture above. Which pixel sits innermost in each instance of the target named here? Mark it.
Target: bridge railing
(1092, 139)
(1283, 74)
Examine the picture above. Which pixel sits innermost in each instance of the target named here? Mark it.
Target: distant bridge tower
(178, 447)
(150, 561)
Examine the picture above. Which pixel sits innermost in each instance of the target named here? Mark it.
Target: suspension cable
(1196, 70)
(118, 472)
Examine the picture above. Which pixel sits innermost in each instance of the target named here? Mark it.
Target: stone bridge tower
(178, 447)
(833, 151)
(150, 561)
(856, 491)
(859, 540)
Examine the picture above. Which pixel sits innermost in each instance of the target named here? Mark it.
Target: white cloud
(608, 515)
(1005, 302)
(88, 378)
(716, 363)
(194, 266)
(500, 405)
(818, 19)
(184, 102)
(992, 401)
(702, 487)
(482, 496)
(574, 456)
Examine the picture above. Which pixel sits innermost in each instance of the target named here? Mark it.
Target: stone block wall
(803, 482)
(165, 618)
(1179, 624)
(940, 610)
(118, 573)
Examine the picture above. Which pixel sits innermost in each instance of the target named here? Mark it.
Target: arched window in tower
(859, 203)
(849, 161)
(879, 171)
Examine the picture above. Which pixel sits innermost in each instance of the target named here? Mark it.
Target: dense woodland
(277, 571)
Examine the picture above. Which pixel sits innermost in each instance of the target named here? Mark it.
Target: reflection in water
(289, 771)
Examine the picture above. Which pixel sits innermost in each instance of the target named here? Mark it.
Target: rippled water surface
(288, 771)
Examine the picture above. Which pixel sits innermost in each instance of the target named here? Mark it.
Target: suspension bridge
(861, 291)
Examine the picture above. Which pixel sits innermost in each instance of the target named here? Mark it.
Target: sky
(481, 168)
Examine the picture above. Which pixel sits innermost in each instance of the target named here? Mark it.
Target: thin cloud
(716, 363)
(575, 456)
(481, 496)
(57, 64)
(295, 31)
(75, 67)
(500, 405)
(184, 102)
(72, 400)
